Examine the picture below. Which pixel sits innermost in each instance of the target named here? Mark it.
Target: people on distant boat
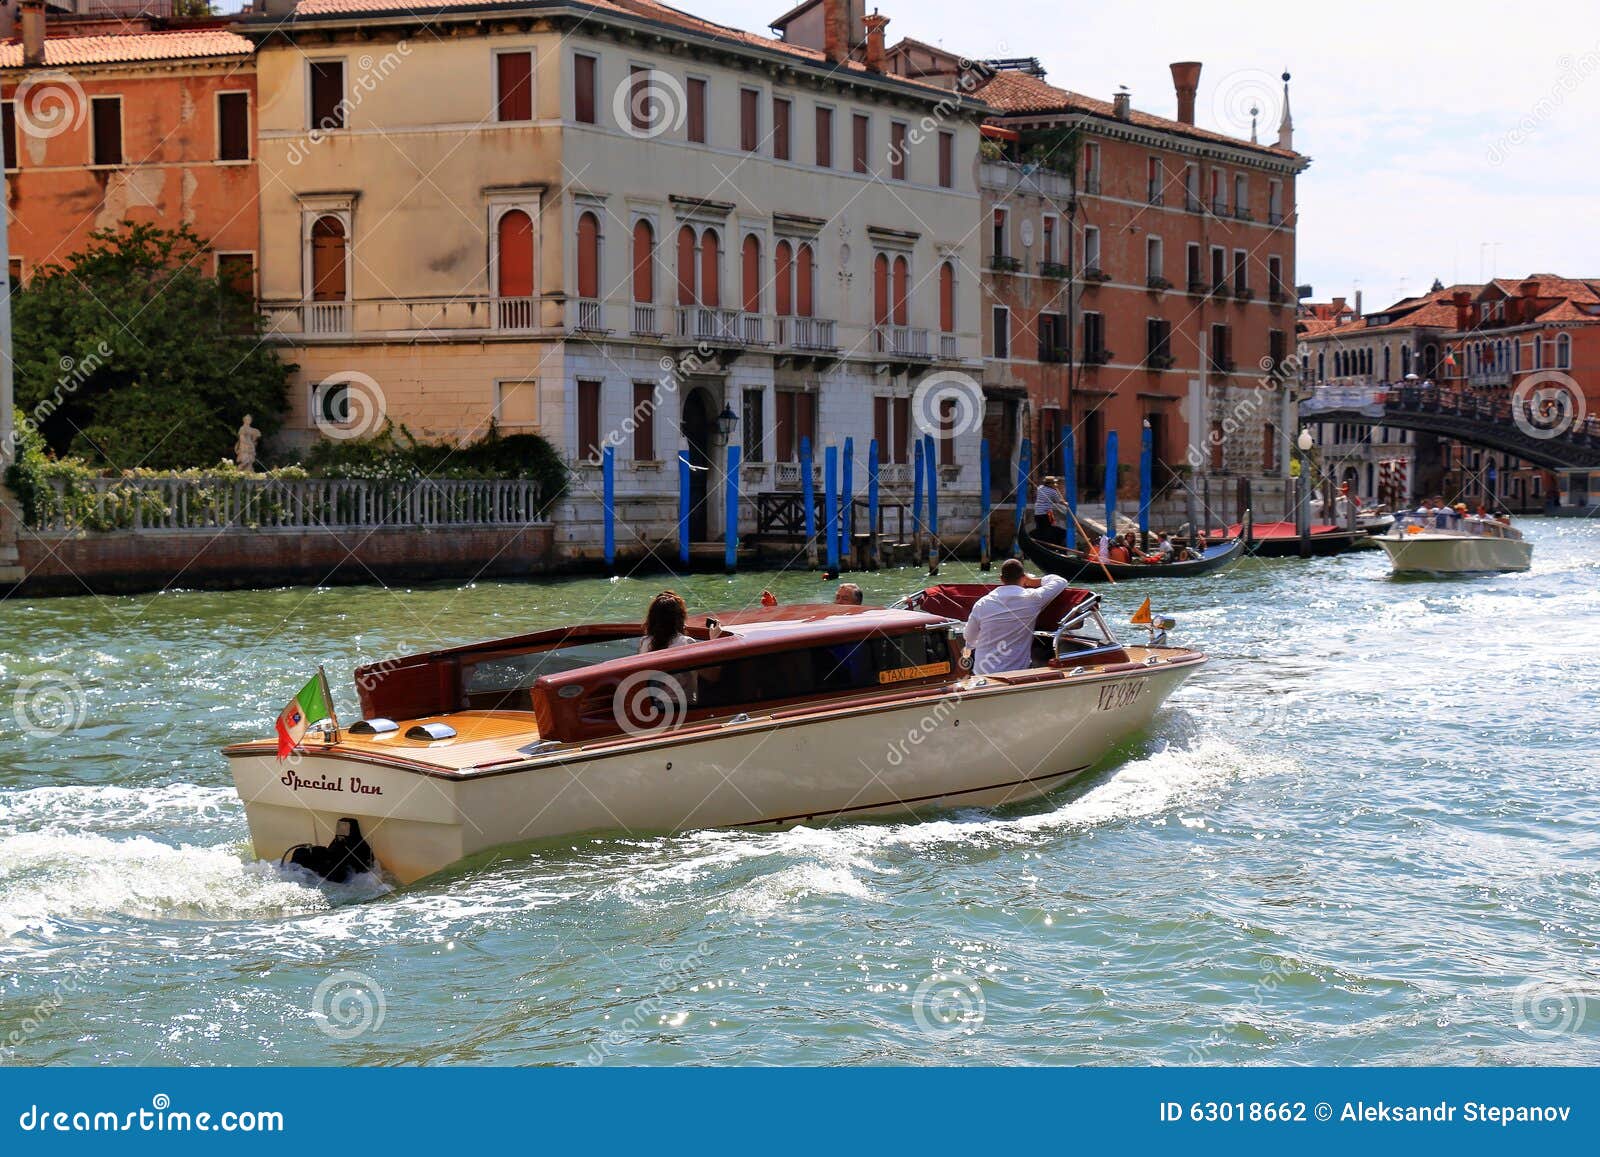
(849, 594)
(1000, 627)
(663, 623)
(1118, 551)
(1050, 511)
(1164, 549)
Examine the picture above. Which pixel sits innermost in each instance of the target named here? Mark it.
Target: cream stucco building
(615, 224)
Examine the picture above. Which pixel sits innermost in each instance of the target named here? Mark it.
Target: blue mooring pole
(916, 497)
(608, 475)
(847, 503)
(808, 496)
(983, 502)
(830, 507)
(1111, 484)
(930, 459)
(876, 558)
(683, 508)
(1024, 470)
(1069, 483)
(730, 518)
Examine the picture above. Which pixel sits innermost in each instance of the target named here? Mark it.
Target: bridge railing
(1494, 407)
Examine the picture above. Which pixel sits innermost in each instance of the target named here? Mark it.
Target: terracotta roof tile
(60, 52)
(1015, 93)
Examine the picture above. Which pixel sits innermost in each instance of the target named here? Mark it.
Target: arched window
(750, 271)
(514, 254)
(880, 291)
(902, 290)
(1564, 352)
(805, 282)
(328, 282)
(589, 256)
(644, 263)
(947, 298)
(783, 279)
(710, 267)
(686, 266)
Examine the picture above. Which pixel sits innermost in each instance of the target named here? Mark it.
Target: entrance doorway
(699, 420)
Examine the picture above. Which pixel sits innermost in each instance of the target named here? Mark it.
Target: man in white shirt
(1000, 627)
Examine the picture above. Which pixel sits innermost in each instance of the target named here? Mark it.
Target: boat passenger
(849, 595)
(1000, 628)
(1048, 505)
(663, 623)
(1164, 549)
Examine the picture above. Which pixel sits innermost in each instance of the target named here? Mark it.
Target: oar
(1073, 514)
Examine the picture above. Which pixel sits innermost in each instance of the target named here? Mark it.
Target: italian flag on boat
(311, 706)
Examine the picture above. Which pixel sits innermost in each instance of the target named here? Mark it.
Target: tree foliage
(131, 354)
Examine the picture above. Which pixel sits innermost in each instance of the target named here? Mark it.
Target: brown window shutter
(233, 126)
(644, 422)
(9, 129)
(697, 110)
(749, 116)
(824, 138)
(514, 85)
(107, 130)
(784, 427)
(583, 82)
(859, 132)
(780, 129)
(880, 424)
(947, 160)
(897, 151)
(327, 94)
(237, 270)
(589, 421)
(902, 429)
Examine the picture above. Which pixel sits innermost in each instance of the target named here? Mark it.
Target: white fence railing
(247, 504)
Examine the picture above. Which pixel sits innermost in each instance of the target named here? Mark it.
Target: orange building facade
(108, 120)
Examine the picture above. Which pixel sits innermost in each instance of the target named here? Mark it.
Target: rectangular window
(106, 112)
(1002, 332)
(1241, 195)
(513, 86)
(1001, 241)
(1275, 277)
(1154, 259)
(824, 138)
(749, 119)
(947, 160)
(327, 94)
(238, 271)
(1094, 338)
(880, 426)
(1277, 348)
(1191, 188)
(517, 404)
(1049, 248)
(585, 75)
(1221, 348)
(1275, 202)
(796, 419)
(641, 101)
(1091, 248)
(1091, 168)
(947, 432)
(1241, 271)
(754, 425)
(695, 117)
(1153, 180)
(8, 110)
(1158, 338)
(891, 426)
(1196, 276)
(1219, 267)
(233, 126)
(14, 273)
(644, 422)
(861, 140)
(1269, 448)
(589, 421)
(780, 128)
(897, 150)
(1052, 336)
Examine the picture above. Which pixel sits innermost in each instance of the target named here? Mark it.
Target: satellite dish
(1027, 234)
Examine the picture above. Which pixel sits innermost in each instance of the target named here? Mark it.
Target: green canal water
(1367, 832)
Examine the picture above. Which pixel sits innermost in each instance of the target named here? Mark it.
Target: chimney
(32, 33)
(1186, 80)
(875, 26)
(1462, 300)
(1358, 304)
(1122, 105)
(1529, 288)
(836, 30)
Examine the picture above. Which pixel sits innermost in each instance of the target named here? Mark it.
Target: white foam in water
(108, 808)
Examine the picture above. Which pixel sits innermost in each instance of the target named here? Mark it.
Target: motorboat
(1077, 566)
(771, 716)
(1444, 542)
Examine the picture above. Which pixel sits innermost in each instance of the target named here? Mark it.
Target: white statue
(244, 450)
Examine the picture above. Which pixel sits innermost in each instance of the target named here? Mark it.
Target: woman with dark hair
(663, 623)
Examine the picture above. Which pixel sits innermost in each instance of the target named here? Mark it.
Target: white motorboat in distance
(773, 716)
(1448, 543)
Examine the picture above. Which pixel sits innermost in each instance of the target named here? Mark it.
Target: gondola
(1075, 567)
(1282, 539)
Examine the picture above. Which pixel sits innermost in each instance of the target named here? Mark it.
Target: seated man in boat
(1000, 628)
(1164, 550)
(849, 595)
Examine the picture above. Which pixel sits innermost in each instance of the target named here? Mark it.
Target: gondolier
(1048, 504)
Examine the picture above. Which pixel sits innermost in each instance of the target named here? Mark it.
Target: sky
(1452, 141)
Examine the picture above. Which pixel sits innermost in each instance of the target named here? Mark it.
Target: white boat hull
(1456, 554)
(987, 743)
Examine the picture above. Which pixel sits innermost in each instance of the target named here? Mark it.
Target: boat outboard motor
(346, 855)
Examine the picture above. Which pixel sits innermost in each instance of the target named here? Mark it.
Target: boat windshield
(512, 672)
(1453, 523)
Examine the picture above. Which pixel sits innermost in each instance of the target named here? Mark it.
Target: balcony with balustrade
(901, 342)
(465, 316)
